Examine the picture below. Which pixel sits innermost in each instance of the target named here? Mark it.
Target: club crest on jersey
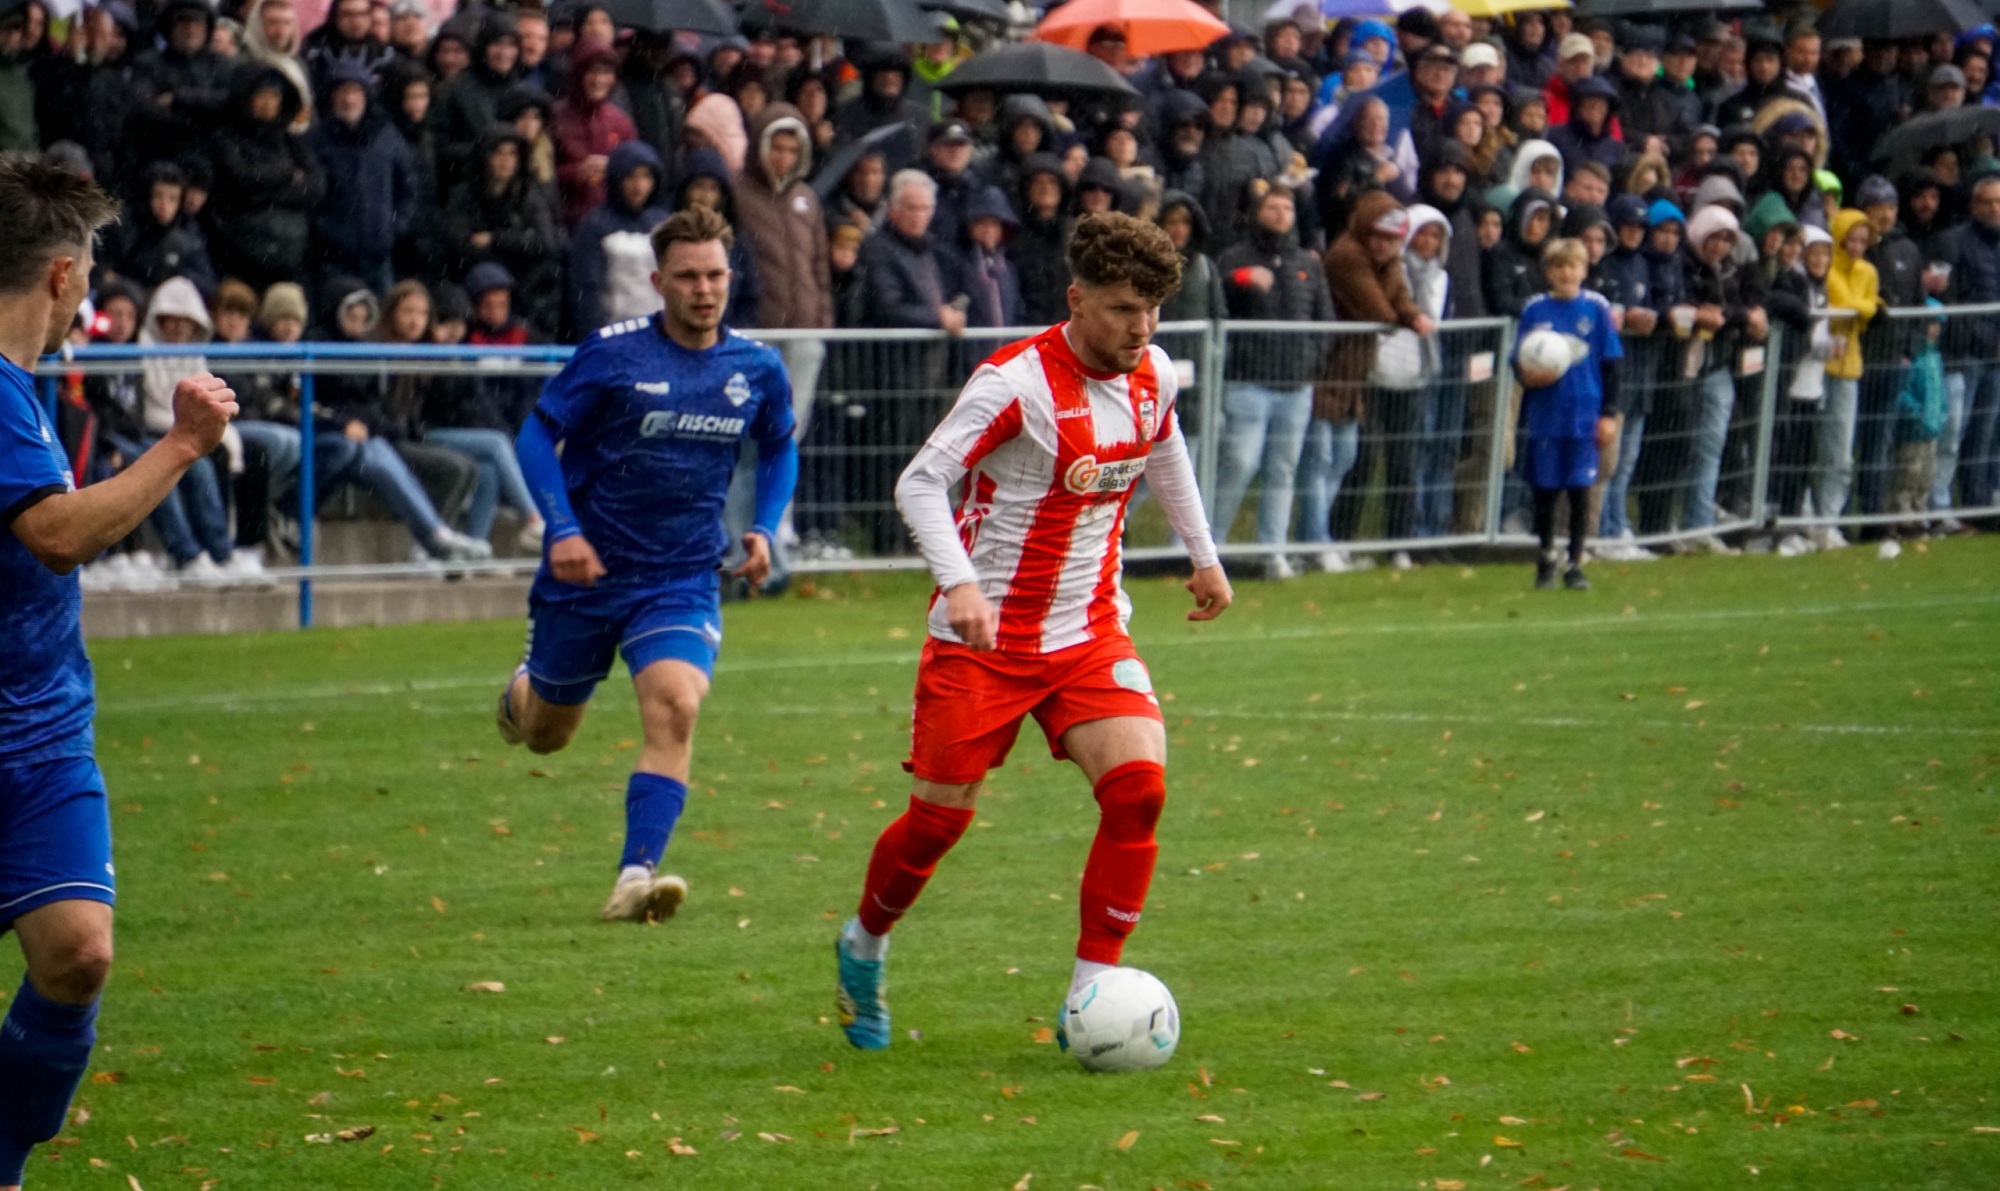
(1088, 477)
(1149, 418)
(737, 390)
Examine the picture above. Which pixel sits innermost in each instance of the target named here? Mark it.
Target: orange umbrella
(1150, 26)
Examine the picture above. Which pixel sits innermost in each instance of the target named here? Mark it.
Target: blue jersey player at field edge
(650, 415)
(57, 883)
(1565, 412)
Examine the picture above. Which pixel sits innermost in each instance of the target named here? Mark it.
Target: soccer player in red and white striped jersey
(1043, 449)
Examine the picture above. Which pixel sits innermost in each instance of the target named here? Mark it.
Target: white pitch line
(243, 702)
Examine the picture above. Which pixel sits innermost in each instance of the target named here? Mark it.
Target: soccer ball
(1124, 1020)
(1545, 352)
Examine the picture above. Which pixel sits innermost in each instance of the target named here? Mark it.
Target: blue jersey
(45, 695)
(1570, 407)
(650, 435)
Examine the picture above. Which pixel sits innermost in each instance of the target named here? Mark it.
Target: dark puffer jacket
(468, 105)
(1298, 293)
(1513, 269)
(1200, 295)
(523, 228)
(1040, 251)
(161, 129)
(266, 184)
(371, 185)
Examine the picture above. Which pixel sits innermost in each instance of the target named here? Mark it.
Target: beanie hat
(1874, 191)
(285, 299)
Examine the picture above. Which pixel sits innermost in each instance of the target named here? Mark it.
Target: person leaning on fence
(1563, 412)
(1851, 290)
(1728, 308)
(1888, 345)
(1797, 301)
(1972, 252)
(1920, 418)
(1267, 401)
(1365, 278)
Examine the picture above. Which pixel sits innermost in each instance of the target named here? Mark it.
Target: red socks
(1115, 878)
(1120, 867)
(904, 858)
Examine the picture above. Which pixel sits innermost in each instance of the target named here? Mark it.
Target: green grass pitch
(1686, 882)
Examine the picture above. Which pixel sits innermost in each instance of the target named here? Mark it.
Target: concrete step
(113, 614)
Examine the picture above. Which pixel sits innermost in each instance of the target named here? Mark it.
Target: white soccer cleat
(645, 899)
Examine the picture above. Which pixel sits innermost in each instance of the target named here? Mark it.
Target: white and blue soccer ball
(1124, 1020)
(1546, 351)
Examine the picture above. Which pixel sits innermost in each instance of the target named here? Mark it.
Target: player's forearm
(535, 447)
(1170, 474)
(923, 496)
(777, 477)
(71, 528)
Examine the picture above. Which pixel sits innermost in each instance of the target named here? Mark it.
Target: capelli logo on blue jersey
(664, 423)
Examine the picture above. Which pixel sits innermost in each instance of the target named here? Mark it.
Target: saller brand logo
(665, 423)
(1087, 476)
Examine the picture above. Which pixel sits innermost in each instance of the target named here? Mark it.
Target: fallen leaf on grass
(1209, 1118)
(774, 1137)
(262, 1080)
(555, 1039)
(1986, 1128)
(884, 1131)
(1021, 1184)
(583, 1136)
(678, 1149)
(486, 986)
(1843, 1035)
(1371, 1095)
(107, 1077)
(1223, 1141)
(785, 1087)
(1130, 1139)
(358, 1133)
(1507, 1142)
(1207, 1080)
(1448, 1184)
(1512, 1121)
(132, 1181)
(1636, 1152)
(437, 903)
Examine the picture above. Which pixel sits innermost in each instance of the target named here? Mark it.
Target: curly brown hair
(691, 225)
(1113, 248)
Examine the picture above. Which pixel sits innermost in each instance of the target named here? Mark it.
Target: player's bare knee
(546, 738)
(76, 969)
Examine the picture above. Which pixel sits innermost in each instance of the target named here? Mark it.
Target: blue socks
(44, 1048)
(652, 806)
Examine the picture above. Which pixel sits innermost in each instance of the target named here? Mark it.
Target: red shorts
(969, 705)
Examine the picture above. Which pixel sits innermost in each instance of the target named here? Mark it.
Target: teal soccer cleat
(864, 1015)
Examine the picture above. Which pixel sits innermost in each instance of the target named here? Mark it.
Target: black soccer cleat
(1574, 580)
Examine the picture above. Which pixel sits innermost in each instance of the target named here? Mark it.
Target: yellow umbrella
(1490, 9)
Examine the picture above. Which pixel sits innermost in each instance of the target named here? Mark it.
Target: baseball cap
(1682, 43)
(1479, 53)
(1395, 222)
(1946, 76)
(1644, 38)
(951, 130)
(1575, 45)
(1436, 52)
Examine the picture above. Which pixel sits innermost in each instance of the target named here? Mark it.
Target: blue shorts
(55, 836)
(570, 644)
(1561, 463)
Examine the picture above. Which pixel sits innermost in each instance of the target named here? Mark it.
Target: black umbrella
(1640, 8)
(897, 143)
(665, 16)
(1920, 134)
(970, 10)
(1890, 19)
(899, 21)
(1037, 68)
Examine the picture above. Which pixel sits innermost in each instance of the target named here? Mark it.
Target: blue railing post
(308, 494)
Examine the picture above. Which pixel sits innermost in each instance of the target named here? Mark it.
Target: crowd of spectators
(491, 180)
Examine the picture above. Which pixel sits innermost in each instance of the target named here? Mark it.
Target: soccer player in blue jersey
(57, 885)
(650, 415)
(1565, 412)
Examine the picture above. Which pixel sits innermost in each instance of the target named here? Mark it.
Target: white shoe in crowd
(1624, 548)
(458, 547)
(1400, 561)
(246, 567)
(1829, 537)
(1708, 543)
(1792, 545)
(1278, 568)
(203, 571)
(531, 535)
(1333, 562)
